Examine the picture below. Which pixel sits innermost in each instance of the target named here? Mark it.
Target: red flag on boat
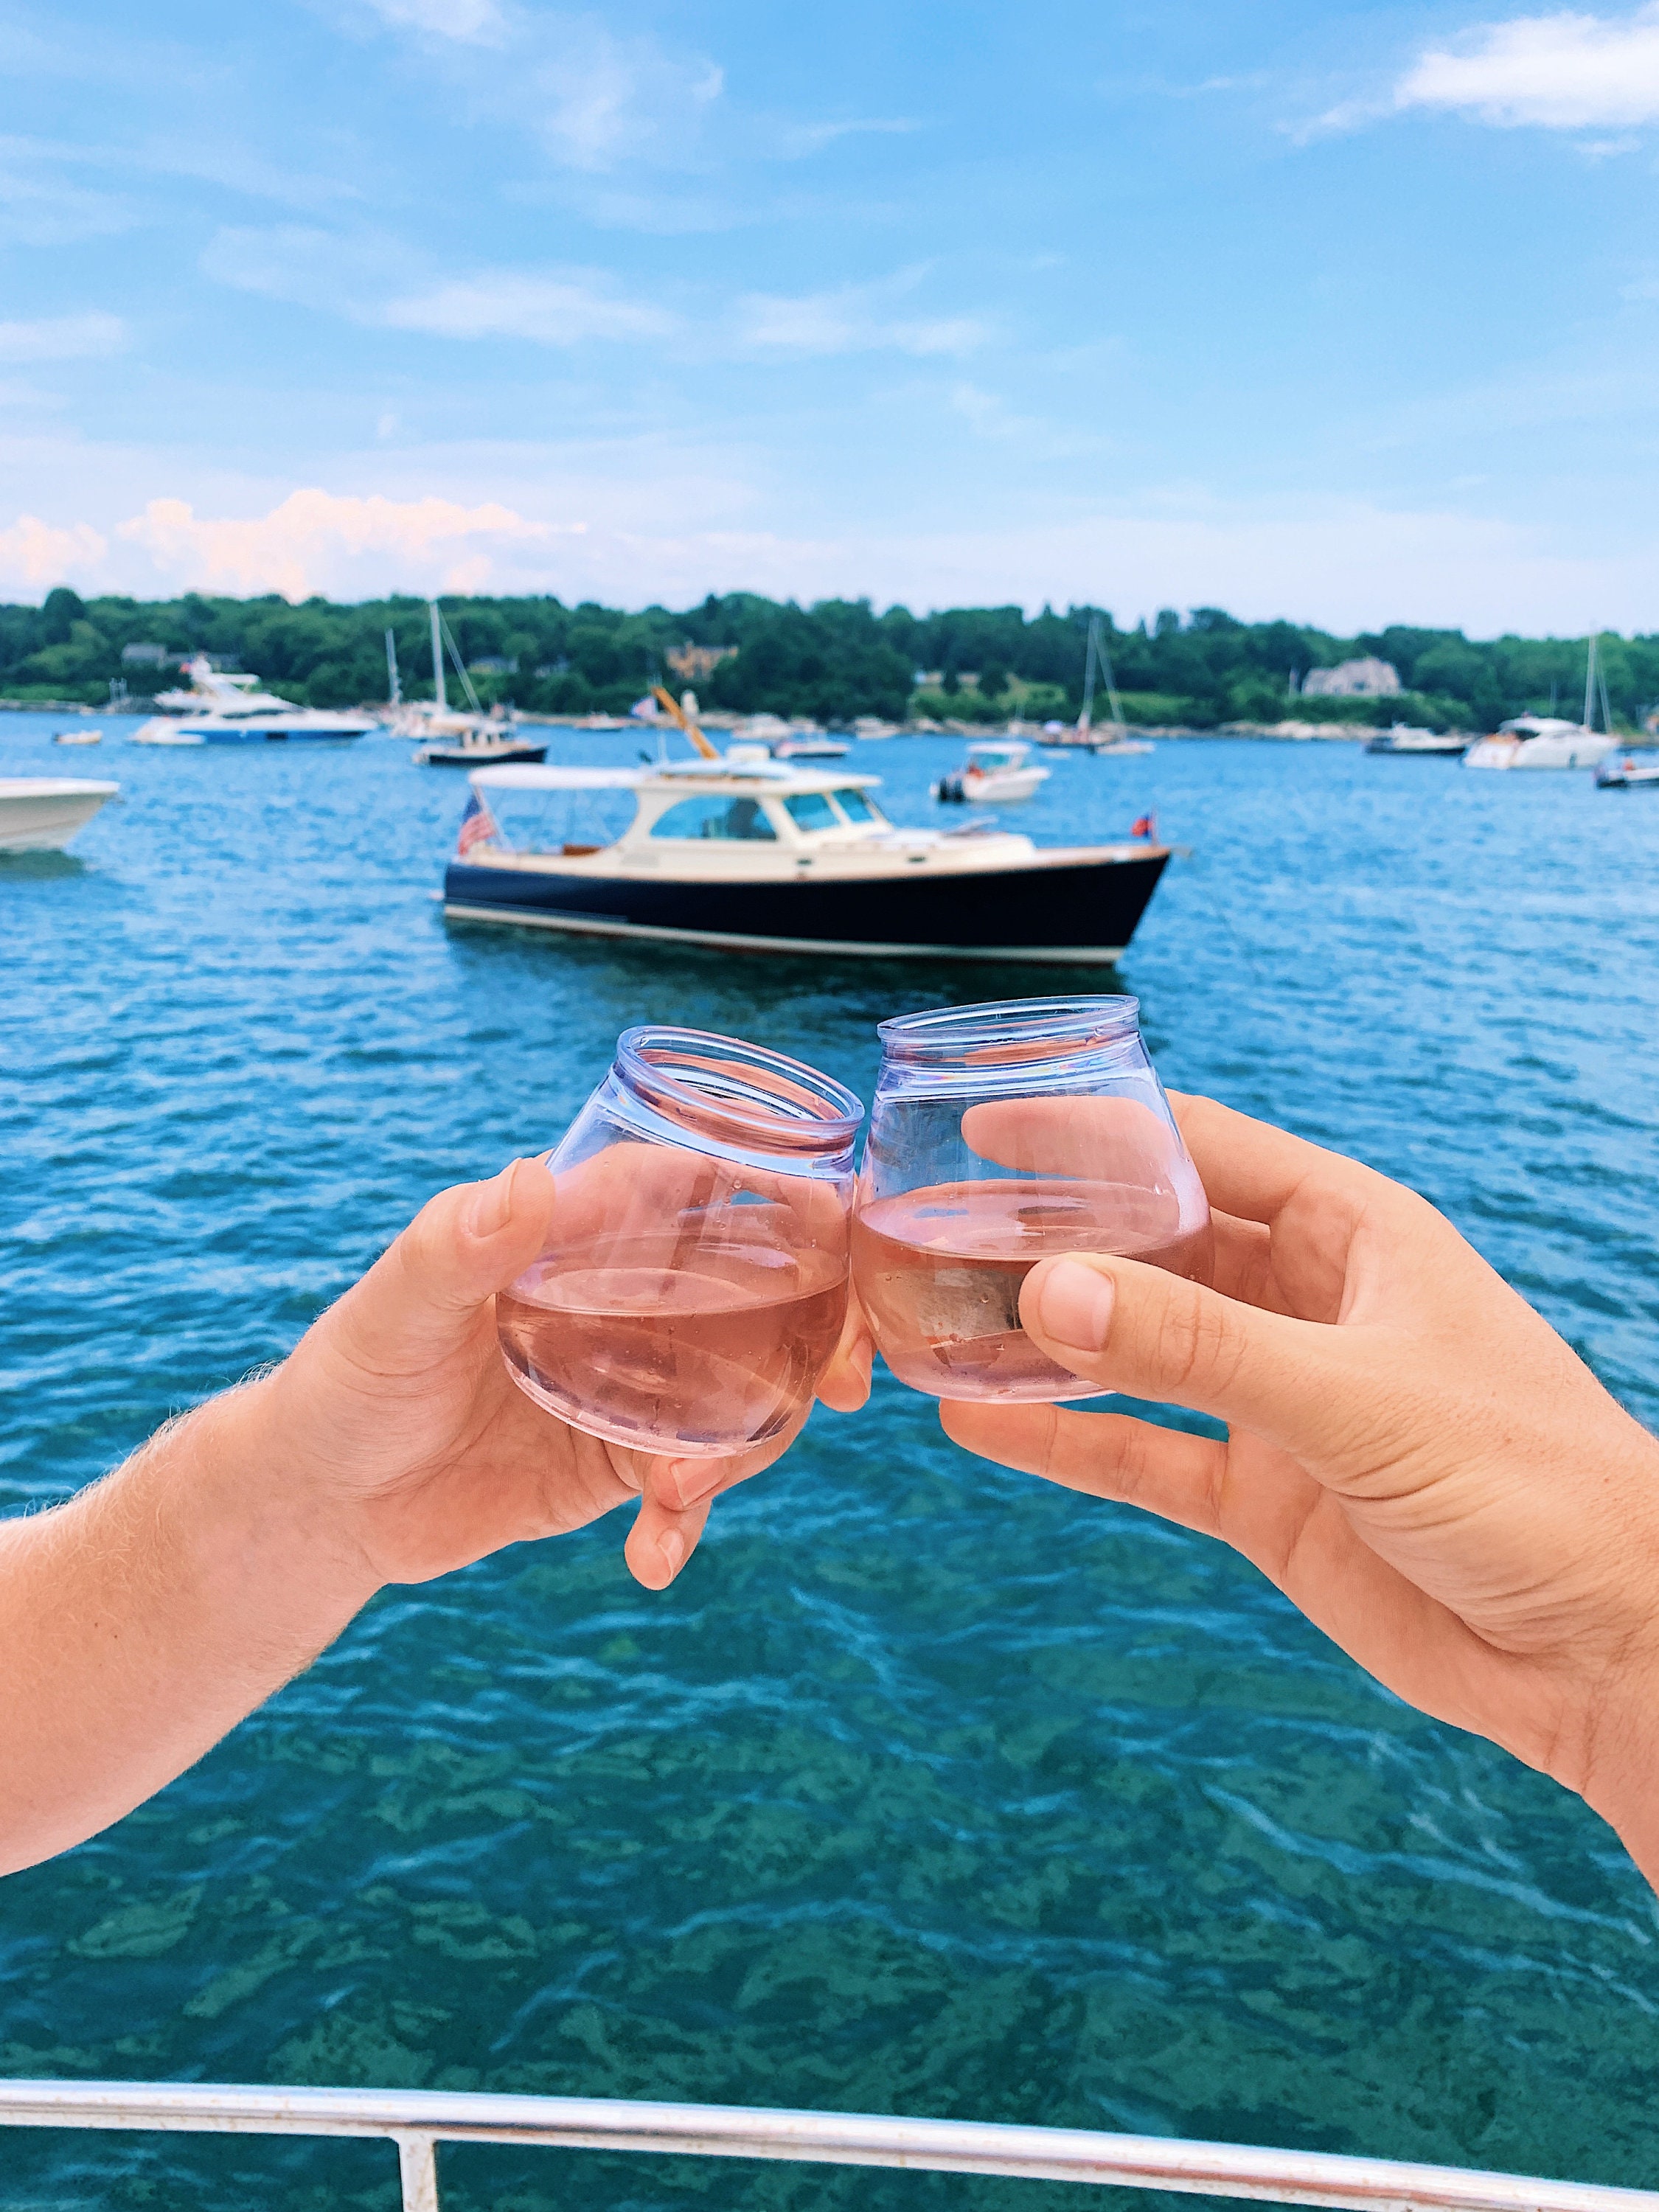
(1145, 825)
(478, 827)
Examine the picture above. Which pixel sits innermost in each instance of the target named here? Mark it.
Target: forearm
(146, 1617)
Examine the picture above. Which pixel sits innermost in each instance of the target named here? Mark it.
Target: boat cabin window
(810, 810)
(855, 806)
(715, 814)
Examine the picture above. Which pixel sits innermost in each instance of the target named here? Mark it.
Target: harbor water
(927, 1789)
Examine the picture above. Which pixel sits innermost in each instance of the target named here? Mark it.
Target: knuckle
(1197, 1337)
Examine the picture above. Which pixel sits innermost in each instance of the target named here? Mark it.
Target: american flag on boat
(478, 827)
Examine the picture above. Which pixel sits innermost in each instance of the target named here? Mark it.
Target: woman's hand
(1414, 1456)
(397, 1412)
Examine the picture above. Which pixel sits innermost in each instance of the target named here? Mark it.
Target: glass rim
(945, 1033)
(812, 1112)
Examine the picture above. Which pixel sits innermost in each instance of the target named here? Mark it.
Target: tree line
(831, 660)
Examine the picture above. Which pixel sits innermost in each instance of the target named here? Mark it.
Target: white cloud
(1566, 71)
(852, 318)
(795, 140)
(62, 338)
(316, 540)
(36, 555)
(556, 310)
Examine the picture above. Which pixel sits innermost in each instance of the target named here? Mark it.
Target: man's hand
(1414, 1456)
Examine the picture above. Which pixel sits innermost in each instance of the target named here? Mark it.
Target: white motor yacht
(221, 710)
(993, 774)
(1546, 741)
(41, 813)
(745, 852)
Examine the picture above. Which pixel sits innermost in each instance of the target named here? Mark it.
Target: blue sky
(1341, 312)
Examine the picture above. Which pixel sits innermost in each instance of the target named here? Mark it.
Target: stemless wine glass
(1000, 1135)
(694, 1281)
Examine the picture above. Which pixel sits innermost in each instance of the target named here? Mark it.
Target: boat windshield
(810, 810)
(856, 807)
(714, 814)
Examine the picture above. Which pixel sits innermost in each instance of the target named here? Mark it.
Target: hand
(1414, 1456)
(397, 1413)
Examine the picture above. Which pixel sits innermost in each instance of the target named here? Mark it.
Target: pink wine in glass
(695, 1352)
(939, 1274)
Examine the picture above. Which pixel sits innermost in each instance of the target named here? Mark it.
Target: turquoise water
(927, 1788)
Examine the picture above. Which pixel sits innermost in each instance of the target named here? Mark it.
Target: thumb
(1150, 1334)
(462, 1247)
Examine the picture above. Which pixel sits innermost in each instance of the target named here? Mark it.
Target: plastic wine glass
(696, 1281)
(1000, 1135)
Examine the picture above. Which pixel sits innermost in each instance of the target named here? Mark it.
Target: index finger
(1254, 1170)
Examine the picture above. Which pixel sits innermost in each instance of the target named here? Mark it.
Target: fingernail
(1075, 1305)
(490, 1209)
(671, 1545)
(692, 1478)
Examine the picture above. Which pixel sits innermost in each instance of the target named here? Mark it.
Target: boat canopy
(783, 776)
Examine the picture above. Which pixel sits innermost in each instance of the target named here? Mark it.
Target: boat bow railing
(416, 2121)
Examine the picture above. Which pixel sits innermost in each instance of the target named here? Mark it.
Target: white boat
(221, 709)
(77, 737)
(1416, 742)
(1112, 739)
(993, 774)
(1628, 774)
(1546, 741)
(41, 813)
(741, 852)
(447, 733)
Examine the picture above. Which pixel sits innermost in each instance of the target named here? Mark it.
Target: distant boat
(77, 737)
(1546, 741)
(1418, 743)
(484, 748)
(993, 774)
(41, 813)
(1628, 774)
(221, 710)
(808, 748)
(445, 730)
(1112, 738)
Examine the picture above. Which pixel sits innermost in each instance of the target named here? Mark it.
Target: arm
(1414, 1456)
(152, 1612)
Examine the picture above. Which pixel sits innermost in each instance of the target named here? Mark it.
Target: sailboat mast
(1087, 716)
(438, 691)
(1589, 684)
(1111, 688)
(395, 690)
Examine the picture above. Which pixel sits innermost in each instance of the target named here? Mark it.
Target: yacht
(41, 813)
(743, 853)
(221, 710)
(992, 773)
(1546, 741)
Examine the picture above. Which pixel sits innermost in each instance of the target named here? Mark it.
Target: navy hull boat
(748, 854)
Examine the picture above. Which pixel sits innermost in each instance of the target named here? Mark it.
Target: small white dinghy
(77, 737)
(41, 813)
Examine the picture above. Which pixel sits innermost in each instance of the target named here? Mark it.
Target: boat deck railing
(416, 2121)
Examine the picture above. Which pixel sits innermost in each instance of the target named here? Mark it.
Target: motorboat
(77, 737)
(478, 748)
(1418, 743)
(808, 747)
(1626, 773)
(993, 774)
(1541, 741)
(745, 853)
(224, 709)
(41, 813)
(1547, 741)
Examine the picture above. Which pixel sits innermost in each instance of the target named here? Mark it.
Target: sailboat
(1112, 737)
(451, 737)
(1546, 741)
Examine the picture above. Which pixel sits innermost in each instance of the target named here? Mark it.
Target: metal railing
(417, 2121)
